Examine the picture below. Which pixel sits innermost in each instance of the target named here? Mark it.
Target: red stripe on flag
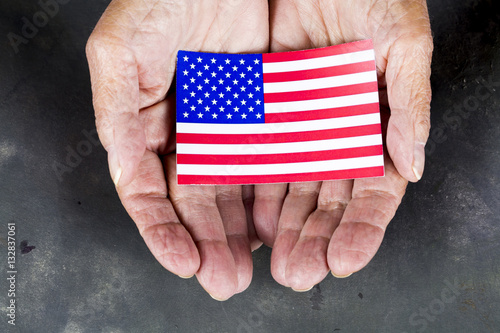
(318, 53)
(236, 139)
(347, 111)
(295, 96)
(284, 178)
(318, 73)
(325, 155)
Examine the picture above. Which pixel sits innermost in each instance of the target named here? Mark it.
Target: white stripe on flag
(328, 61)
(279, 148)
(323, 103)
(274, 128)
(283, 168)
(326, 82)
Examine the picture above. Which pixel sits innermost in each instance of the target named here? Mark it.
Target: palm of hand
(339, 225)
(189, 230)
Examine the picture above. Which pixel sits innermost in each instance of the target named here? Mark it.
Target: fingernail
(302, 290)
(217, 299)
(114, 165)
(117, 176)
(418, 160)
(185, 277)
(341, 276)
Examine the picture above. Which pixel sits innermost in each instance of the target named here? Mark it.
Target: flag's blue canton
(219, 88)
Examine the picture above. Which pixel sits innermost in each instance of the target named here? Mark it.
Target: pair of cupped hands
(210, 231)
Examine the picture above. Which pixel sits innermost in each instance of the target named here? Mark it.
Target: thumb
(409, 93)
(115, 88)
(128, 145)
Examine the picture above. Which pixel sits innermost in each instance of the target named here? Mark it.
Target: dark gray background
(91, 271)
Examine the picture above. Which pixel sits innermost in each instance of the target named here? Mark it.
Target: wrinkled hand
(132, 54)
(338, 226)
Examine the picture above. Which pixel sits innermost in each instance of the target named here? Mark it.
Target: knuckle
(103, 124)
(424, 41)
(95, 45)
(332, 204)
(91, 44)
(424, 125)
(389, 199)
(304, 189)
(109, 48)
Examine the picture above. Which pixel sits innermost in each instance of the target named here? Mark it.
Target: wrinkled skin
(338, 226)
(210, 231)
(190, 230)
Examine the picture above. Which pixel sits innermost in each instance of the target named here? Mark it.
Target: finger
(409, 90)
(115, 89)
(159, 126)
(299, 203)
(267, 209)
(198, 212)
(359, 235)
(248, 200)
(307, 264)
(232, 211)
(127, 76)
(145, 199)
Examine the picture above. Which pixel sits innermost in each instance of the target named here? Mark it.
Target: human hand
(132, 56)
(338, 226)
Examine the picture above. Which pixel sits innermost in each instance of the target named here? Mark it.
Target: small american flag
(282, 117)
